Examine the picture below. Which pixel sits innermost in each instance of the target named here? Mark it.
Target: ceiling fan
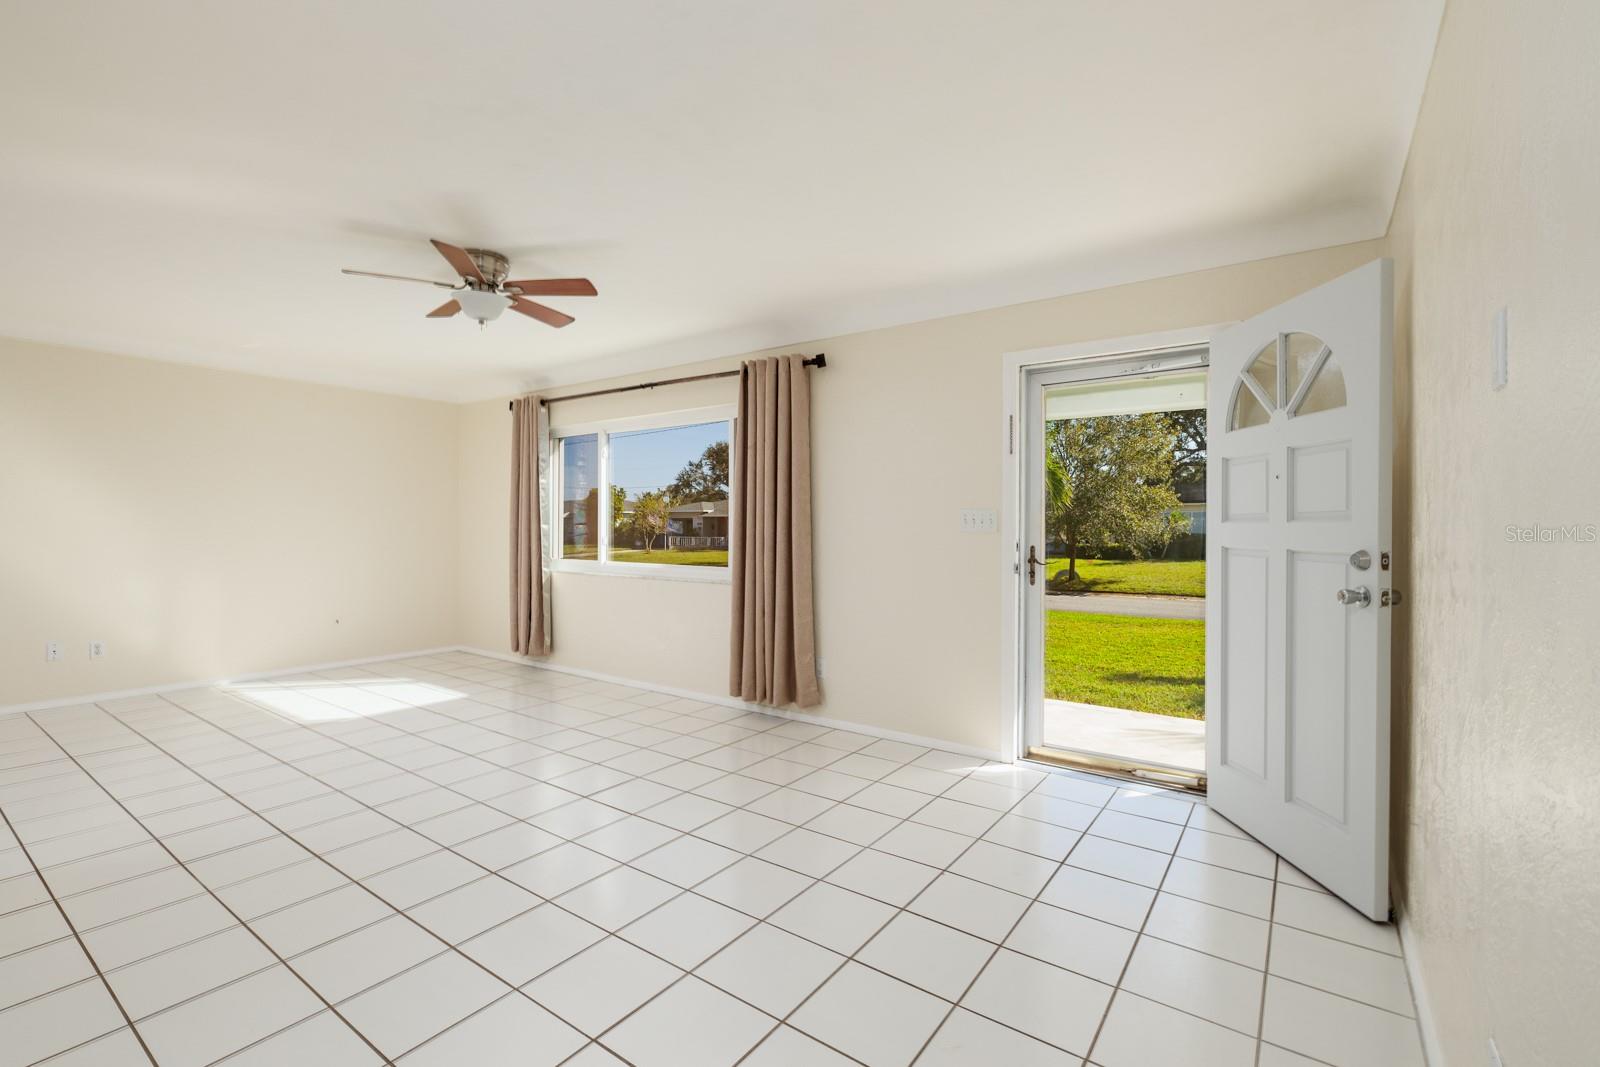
(484, 293)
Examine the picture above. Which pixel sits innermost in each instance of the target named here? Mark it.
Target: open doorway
(1115, 520)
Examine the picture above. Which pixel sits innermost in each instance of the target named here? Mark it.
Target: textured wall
(1497, 704)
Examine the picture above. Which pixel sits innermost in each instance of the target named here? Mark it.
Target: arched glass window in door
(1295, 373)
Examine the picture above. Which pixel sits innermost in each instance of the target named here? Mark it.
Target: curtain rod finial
(818, 361)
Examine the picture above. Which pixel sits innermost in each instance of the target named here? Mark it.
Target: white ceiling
(184, 180)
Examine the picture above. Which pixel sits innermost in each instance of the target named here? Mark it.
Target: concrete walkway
(1157, 740)
(1150, 607)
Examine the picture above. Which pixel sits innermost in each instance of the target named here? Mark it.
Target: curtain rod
(819, 361)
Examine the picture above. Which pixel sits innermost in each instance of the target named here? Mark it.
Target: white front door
(1297, 581)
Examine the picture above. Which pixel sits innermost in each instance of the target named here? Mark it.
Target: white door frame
(1013, 385)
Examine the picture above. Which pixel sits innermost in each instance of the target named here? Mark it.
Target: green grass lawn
(1152, 577)
(685, 557)
(688, 557)
(1121, 661)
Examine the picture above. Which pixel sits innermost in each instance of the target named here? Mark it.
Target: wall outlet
(52, 651)
(978, 520)
(97, 649)
(1500, 372)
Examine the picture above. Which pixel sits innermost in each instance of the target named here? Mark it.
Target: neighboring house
(1192, 502)
(699, 524)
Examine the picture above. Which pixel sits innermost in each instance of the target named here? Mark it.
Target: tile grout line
(73, 927)
(1139, 935)
(225, 906)
(1266, 962)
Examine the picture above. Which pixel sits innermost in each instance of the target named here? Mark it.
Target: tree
(1119, 483)
(649, 519)
(705, 478)
(1189, 449)
(620, 521)
(1057, 485)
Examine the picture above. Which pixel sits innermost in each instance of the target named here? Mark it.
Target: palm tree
(1057, 489)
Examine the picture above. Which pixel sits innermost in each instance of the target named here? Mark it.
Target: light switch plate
(978, 520)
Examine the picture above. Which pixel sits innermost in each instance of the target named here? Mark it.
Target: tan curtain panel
(530, 577)
(774, 639)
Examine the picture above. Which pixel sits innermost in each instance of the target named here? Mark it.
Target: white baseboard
(744, 705)
(147, 690)
(1431, 1051)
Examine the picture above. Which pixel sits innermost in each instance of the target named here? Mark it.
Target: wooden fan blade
(462, 262)
(548, 316)
(445, 310)
(554, 287)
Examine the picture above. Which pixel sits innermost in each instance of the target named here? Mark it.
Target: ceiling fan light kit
(484, 294)
(485, 305)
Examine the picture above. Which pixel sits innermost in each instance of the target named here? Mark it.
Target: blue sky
(642, 460)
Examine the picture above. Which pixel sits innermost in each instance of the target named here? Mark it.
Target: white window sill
(665, 572)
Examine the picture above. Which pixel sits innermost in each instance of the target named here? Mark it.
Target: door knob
(1360, 596)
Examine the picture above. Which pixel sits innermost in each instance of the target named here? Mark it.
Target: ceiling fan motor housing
(492, 265)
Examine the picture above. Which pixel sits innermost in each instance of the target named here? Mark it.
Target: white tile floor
(456, 860)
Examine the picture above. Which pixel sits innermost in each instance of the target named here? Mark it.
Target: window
(1296, 373)
(580, 497)
(646, 496)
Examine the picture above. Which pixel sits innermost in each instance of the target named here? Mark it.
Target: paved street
(1150, 607)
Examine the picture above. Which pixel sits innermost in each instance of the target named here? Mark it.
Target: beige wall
(1498, 685)
(906, 434)
(206, 523)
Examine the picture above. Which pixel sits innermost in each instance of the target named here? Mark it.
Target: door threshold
(1146, 773)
